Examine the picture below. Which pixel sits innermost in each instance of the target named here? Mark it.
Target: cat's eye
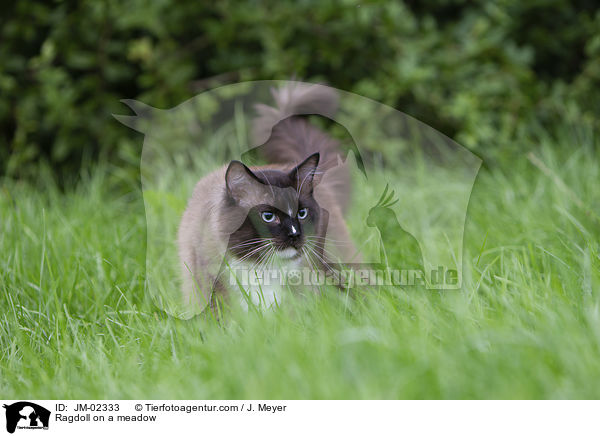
(268, 217)
(302, 213)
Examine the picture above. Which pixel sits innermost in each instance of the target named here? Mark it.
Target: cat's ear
(304, 173)
(240, 181)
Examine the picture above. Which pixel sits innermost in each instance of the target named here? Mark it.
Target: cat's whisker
(249, 242)
(315, 252)
(252, 249)
(270, 262)
(309, 259)
(331, 241)
(242, 253)
(327, 238)
(257, 241)
(322, 260)
(255, 265)
(266, 262)
(262, 256)
(326, 252)
(313, 260)
(249, 254)
(305, 254)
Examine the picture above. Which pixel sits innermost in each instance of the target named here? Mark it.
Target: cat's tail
(295, 98)
(285, 137)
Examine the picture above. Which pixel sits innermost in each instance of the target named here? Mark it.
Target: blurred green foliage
(487, 74)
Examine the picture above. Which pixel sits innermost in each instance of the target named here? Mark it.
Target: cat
(242, 221)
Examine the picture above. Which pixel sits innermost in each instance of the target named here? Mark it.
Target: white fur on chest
(264, 287)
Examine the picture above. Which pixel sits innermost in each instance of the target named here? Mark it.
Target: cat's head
(282, 218)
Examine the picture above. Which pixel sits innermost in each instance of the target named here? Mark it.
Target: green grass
(76, 322)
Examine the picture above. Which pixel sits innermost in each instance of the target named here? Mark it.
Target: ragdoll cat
(286, 215)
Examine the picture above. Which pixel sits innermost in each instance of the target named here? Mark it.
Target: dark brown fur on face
(293, 216)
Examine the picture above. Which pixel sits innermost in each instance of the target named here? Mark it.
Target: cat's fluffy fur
(214, 213)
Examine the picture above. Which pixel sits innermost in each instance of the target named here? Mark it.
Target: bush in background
(488, 74)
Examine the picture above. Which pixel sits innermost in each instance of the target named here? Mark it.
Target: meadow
(76, 320)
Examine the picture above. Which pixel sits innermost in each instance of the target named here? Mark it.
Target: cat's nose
(293, 231)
